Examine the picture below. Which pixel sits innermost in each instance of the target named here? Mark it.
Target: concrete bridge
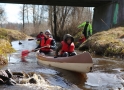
(82, 3)
(107, 13)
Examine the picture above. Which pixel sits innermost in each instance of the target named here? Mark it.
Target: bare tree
(23, 16)
(67, 18)
(55, 20)
(27, 13)
(50, 18)
(2, 16)
(33, 17)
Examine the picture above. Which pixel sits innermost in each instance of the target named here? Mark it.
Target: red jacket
(43, 43)
(40, 36)
(67, 48)
(82, 40)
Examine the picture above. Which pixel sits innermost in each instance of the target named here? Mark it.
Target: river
(107, 73)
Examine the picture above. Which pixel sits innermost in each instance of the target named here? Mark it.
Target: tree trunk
(55, 33)
(23, 16)
(27, 14)
(50, 23)
(34, 18)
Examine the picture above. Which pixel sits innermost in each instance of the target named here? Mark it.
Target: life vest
(66, 47)
(44, 43)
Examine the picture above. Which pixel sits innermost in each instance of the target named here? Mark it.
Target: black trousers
(47, 53)
(67, 54)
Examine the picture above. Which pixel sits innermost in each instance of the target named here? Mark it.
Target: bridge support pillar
(105, 17)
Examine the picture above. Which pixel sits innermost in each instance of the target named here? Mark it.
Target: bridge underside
(81, 3)
(107, 13)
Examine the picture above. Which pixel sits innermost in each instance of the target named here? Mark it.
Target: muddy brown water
(107, 73)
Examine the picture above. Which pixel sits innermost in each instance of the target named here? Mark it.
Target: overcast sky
(12, 12)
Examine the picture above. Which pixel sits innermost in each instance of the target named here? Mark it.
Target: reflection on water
(47, 71)
(107, 74)
(104, 79)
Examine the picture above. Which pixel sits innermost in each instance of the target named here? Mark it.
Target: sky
(12, 12)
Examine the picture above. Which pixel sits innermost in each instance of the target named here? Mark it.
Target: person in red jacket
(82, 39)
(66, 47)
(40, 35)
(47, 44)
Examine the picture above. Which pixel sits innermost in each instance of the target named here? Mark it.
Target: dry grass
(5, 48)
(9, 34)
(6, 36)
(106, 42)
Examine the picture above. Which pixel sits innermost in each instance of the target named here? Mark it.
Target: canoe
(79, 63)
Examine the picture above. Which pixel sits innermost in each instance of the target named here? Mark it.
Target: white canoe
(79, 63)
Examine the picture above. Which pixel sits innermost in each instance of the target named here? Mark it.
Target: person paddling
(40, 35)
(47, 44)
(66, 47)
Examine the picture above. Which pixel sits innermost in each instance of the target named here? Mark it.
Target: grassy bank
(106, 43)
(6, 36)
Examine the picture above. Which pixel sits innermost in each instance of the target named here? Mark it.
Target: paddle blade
(25, 53)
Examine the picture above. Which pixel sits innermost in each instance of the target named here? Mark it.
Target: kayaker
(66, 47)
(40, 35)
(47, 44)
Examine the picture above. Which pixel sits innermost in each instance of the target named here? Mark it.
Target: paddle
(25, 53)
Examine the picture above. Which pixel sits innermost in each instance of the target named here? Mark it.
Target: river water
(107, 73)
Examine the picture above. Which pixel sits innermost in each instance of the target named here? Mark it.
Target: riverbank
(106, 43)
(6, 36)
